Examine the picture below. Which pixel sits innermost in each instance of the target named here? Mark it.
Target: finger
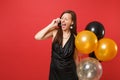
(58, 20)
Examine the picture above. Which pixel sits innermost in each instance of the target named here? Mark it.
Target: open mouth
(63, 25)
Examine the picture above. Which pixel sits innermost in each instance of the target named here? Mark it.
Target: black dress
(62, 65)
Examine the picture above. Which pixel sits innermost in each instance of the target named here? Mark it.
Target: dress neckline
(66, 42)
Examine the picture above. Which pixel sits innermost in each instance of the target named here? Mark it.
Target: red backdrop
(23, 58)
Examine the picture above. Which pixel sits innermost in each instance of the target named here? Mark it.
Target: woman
(64, 56)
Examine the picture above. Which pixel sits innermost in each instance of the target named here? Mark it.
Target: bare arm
(47, 31)
(76, 57)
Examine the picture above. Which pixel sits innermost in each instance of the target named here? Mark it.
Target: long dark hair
(59, 36)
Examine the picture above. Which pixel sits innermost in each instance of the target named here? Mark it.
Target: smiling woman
(64, 56)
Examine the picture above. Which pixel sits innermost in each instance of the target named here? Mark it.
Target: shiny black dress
(62, 65)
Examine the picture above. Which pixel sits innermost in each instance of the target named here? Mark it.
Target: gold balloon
(86, 42)
(106, 50)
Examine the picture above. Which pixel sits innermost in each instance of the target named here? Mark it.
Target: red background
(24, 58)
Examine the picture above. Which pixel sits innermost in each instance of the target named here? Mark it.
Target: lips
(63, 25)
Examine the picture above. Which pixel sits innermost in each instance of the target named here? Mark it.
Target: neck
(66, 32)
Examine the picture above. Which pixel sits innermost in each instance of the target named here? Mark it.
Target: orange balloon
(106, 50)
(86, 42)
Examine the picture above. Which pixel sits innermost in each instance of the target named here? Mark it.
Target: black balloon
(92, 54)
(97, 28)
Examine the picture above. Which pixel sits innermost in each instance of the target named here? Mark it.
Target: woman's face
(66, 21)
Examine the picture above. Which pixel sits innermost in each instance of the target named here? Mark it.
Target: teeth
(63, 24)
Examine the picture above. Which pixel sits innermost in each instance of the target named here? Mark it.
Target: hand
(54, 23)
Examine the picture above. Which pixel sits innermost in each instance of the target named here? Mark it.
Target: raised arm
(48, 30)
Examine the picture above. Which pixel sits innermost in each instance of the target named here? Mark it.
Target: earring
(71, 27)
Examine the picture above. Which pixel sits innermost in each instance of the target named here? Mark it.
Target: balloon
(97, 28)
(89, 69)
(92, 54)
(106, 50)
(86, 42)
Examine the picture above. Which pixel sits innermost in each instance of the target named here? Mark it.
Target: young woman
(64, 55)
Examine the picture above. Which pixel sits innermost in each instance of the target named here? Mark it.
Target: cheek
(68, 23)
(68, 27)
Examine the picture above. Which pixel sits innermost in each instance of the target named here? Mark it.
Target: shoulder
(74, 35)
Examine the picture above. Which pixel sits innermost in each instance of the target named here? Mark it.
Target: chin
(64, 29)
